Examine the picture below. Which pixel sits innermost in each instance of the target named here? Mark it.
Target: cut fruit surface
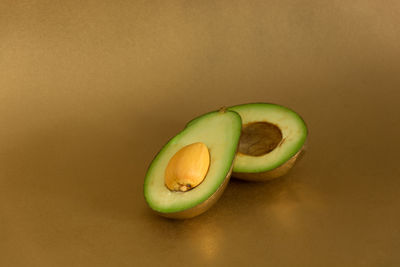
(272, 135)
(219, 132)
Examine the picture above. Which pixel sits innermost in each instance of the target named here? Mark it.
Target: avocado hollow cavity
(259, 138)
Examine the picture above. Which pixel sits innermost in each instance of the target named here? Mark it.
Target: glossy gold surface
(91, 90)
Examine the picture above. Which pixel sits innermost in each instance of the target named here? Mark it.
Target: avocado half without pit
(271, 140)
(191, 171)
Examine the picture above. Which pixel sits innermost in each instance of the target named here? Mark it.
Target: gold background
(91, 90)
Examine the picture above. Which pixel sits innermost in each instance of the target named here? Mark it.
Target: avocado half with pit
(191, 171)
(272, 138)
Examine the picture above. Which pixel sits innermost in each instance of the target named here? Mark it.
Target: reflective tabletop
(91, 90)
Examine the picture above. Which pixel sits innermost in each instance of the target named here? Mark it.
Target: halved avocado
(271, 140)
(219, 131)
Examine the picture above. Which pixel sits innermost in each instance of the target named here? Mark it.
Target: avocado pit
(259, 138)
(187, 168)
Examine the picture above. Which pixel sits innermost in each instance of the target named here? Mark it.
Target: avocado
(271, 140)
(191, 171)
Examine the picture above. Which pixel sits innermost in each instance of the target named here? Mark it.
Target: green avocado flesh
(284, 135)
(220, 132)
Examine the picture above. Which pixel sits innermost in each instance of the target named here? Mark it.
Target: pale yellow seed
(188, 167)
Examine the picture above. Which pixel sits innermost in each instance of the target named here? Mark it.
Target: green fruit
(272, 138)
(181, 182)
